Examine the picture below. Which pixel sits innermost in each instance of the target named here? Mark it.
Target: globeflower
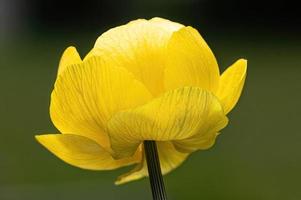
(149, 80)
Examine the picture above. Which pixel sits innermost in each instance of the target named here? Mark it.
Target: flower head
(146, 80)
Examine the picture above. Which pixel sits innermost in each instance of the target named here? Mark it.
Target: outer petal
(87, 95)
(177, 115)
(190, 62)
(82, 152)
(138, 46)
(231, 84)
(69, 57)
(170, 158)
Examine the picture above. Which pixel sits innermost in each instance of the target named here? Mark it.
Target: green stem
(154, 170)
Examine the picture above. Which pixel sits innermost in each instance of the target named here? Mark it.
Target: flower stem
(154, 170)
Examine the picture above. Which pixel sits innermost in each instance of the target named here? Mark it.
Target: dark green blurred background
(257, 157)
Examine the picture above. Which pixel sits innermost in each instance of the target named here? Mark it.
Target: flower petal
(88, 94)
(169, 157)
(138, 46)
(83, 152)
(138, 172)
(69, 57)
(166, 24)
(190, 61)
(204, 139)
(177, 115)
(231, 84)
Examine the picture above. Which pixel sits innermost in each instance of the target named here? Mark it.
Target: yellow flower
(146, 80)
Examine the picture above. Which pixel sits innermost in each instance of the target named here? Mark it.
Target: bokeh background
(257, 157)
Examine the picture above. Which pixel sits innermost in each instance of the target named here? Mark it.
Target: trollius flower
(146, 80)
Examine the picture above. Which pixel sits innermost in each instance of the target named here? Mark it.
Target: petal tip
(45, 138)
(70, 56)
(243, 62)
(243, 59)
(244, 65)
(70, 51)
(39, 138)
(71, 48)
(118, 182)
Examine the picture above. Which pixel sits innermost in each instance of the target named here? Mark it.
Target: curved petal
(190, 62)
(204, 139)
(231, 84)
(87, 95)
(138, 46)
(83, 152)
(69, 57)
(170, 159)
(177, 115)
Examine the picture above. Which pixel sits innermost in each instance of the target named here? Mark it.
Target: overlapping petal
(179, 114)
(231, 84)
(83, 152)
(139, 46)
(86, 96)
(190, 62)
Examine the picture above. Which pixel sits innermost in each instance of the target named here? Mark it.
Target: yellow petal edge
(231, 84)
(69, 57)
(83, 152)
